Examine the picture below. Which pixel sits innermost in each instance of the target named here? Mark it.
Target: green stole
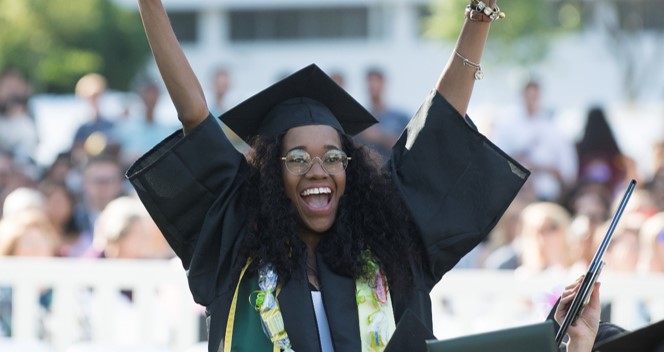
(244, 326)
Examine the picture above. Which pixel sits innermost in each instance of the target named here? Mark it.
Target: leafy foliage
(55, 42)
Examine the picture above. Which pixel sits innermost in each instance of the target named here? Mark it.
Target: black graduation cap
(307, 97)
(647, 339)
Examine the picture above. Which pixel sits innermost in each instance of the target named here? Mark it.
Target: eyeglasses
(299, 162)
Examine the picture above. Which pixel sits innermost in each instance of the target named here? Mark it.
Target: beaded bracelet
(481, 12)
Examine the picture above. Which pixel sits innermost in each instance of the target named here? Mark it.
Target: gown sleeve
(454, 181)
(190, 186)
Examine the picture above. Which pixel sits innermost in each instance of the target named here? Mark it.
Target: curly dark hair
(371, 216)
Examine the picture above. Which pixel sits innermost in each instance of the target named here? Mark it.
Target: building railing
(464, 302)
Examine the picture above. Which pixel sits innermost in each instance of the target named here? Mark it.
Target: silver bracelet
(479, 74)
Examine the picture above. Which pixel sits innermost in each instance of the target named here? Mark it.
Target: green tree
(55, 42)
(523, 36)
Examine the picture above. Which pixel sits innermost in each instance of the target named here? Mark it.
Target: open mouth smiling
(317, 197)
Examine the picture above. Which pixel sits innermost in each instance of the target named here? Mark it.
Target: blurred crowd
(558, 219)
(81, 205)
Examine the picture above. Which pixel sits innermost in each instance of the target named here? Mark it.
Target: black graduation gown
(454, 181)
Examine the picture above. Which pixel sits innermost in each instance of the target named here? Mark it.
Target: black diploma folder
(527, 338)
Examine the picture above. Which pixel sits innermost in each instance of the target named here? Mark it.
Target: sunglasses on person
(298, 162)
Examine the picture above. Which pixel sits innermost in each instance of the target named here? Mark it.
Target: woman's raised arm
(458, 77)
(183, 87)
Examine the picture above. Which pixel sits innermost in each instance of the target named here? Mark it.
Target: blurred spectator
(221, 102)
(531, 136)
(391, 122)
(27, 233)
(651, 261)
(503, 238)
(600, 158)
(543, 238)
(6, 168)
(589, 204)
(640, 202)
(221, 82)
(20, 199)
(539, 247)
(7, 182)
(656, 188)
(651, 258)
(13, 175)
(143, 124)
(18, 133)
(62, 170)
(13, 88)
(96, 135)
(124, 230)
(658, 155)
(590, 199)
(622, 254)
(59, 207)
(581, 241)
(102, 182)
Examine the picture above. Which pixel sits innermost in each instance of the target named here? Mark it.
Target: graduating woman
(304, 245)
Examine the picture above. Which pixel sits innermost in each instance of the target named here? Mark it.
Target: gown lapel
(298, 313)
(341, 308)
